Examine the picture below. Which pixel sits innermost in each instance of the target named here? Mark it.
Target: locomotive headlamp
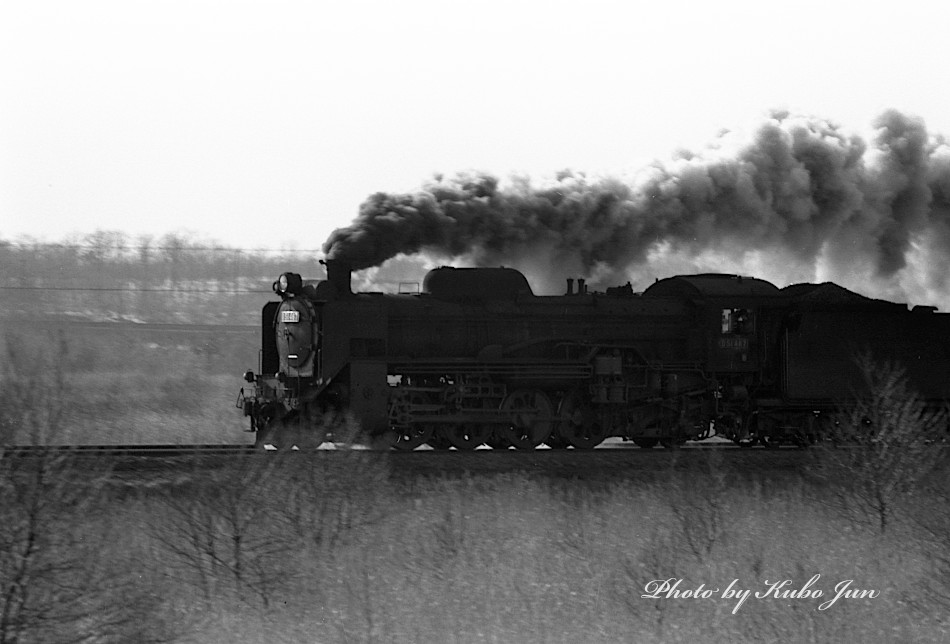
(288, 283)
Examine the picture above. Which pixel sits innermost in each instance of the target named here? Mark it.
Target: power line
(139, 249)
(94, 289)
(142, 326)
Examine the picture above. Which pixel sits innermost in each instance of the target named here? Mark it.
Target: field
(291, 548)
(336, 547)
(128, 386)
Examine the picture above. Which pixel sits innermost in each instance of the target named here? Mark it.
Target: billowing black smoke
(829, 204)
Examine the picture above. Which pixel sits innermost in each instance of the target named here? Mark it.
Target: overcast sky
(266, 124)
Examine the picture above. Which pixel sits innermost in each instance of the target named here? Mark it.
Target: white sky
(265, 124)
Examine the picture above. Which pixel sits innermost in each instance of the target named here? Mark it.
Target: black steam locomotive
(476, 358)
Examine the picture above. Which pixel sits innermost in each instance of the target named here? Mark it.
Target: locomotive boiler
(475, 357)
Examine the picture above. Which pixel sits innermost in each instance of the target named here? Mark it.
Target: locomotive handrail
(486, 367)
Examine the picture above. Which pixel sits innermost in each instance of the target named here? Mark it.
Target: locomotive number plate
(290, 317)
(734, 344)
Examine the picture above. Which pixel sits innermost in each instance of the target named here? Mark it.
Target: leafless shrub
(33, 408)
(224, 531)
(330, 497)
(660, 558)
(930, 514)
(59, 582)
(367, 623)
(881, 447)
(42, 555)
(700, 505)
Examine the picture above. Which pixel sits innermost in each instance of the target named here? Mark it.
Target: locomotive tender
(476, 358)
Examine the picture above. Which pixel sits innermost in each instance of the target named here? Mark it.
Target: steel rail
(165, 451)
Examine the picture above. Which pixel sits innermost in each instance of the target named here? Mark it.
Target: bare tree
(59, 582)
(702, 504)
(881, 447)
(34, 405)
(224, 530)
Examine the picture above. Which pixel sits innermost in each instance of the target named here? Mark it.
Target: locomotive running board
(534, 370)
(489, 416)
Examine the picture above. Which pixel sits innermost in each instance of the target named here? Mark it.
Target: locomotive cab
(732, 349)
(731, 306)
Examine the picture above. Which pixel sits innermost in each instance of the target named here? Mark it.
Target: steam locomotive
(475, 358)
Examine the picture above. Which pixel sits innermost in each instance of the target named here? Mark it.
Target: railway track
(137, 451)
(150, 465)
(166, 451)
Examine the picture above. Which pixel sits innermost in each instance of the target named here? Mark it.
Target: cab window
(738, 321)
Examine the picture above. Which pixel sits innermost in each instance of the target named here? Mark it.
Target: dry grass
(116, 392)
(290, 548)
(118, 408)
(509, 558)
(332, 550)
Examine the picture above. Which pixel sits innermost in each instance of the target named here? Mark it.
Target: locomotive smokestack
(570, 286)
(338, 275)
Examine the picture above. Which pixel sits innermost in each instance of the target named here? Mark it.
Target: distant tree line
(110, 275)
(116, 259)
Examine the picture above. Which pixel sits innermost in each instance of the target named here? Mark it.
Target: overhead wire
(140, 248)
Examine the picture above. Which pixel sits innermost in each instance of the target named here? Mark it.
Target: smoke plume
(800, 199)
